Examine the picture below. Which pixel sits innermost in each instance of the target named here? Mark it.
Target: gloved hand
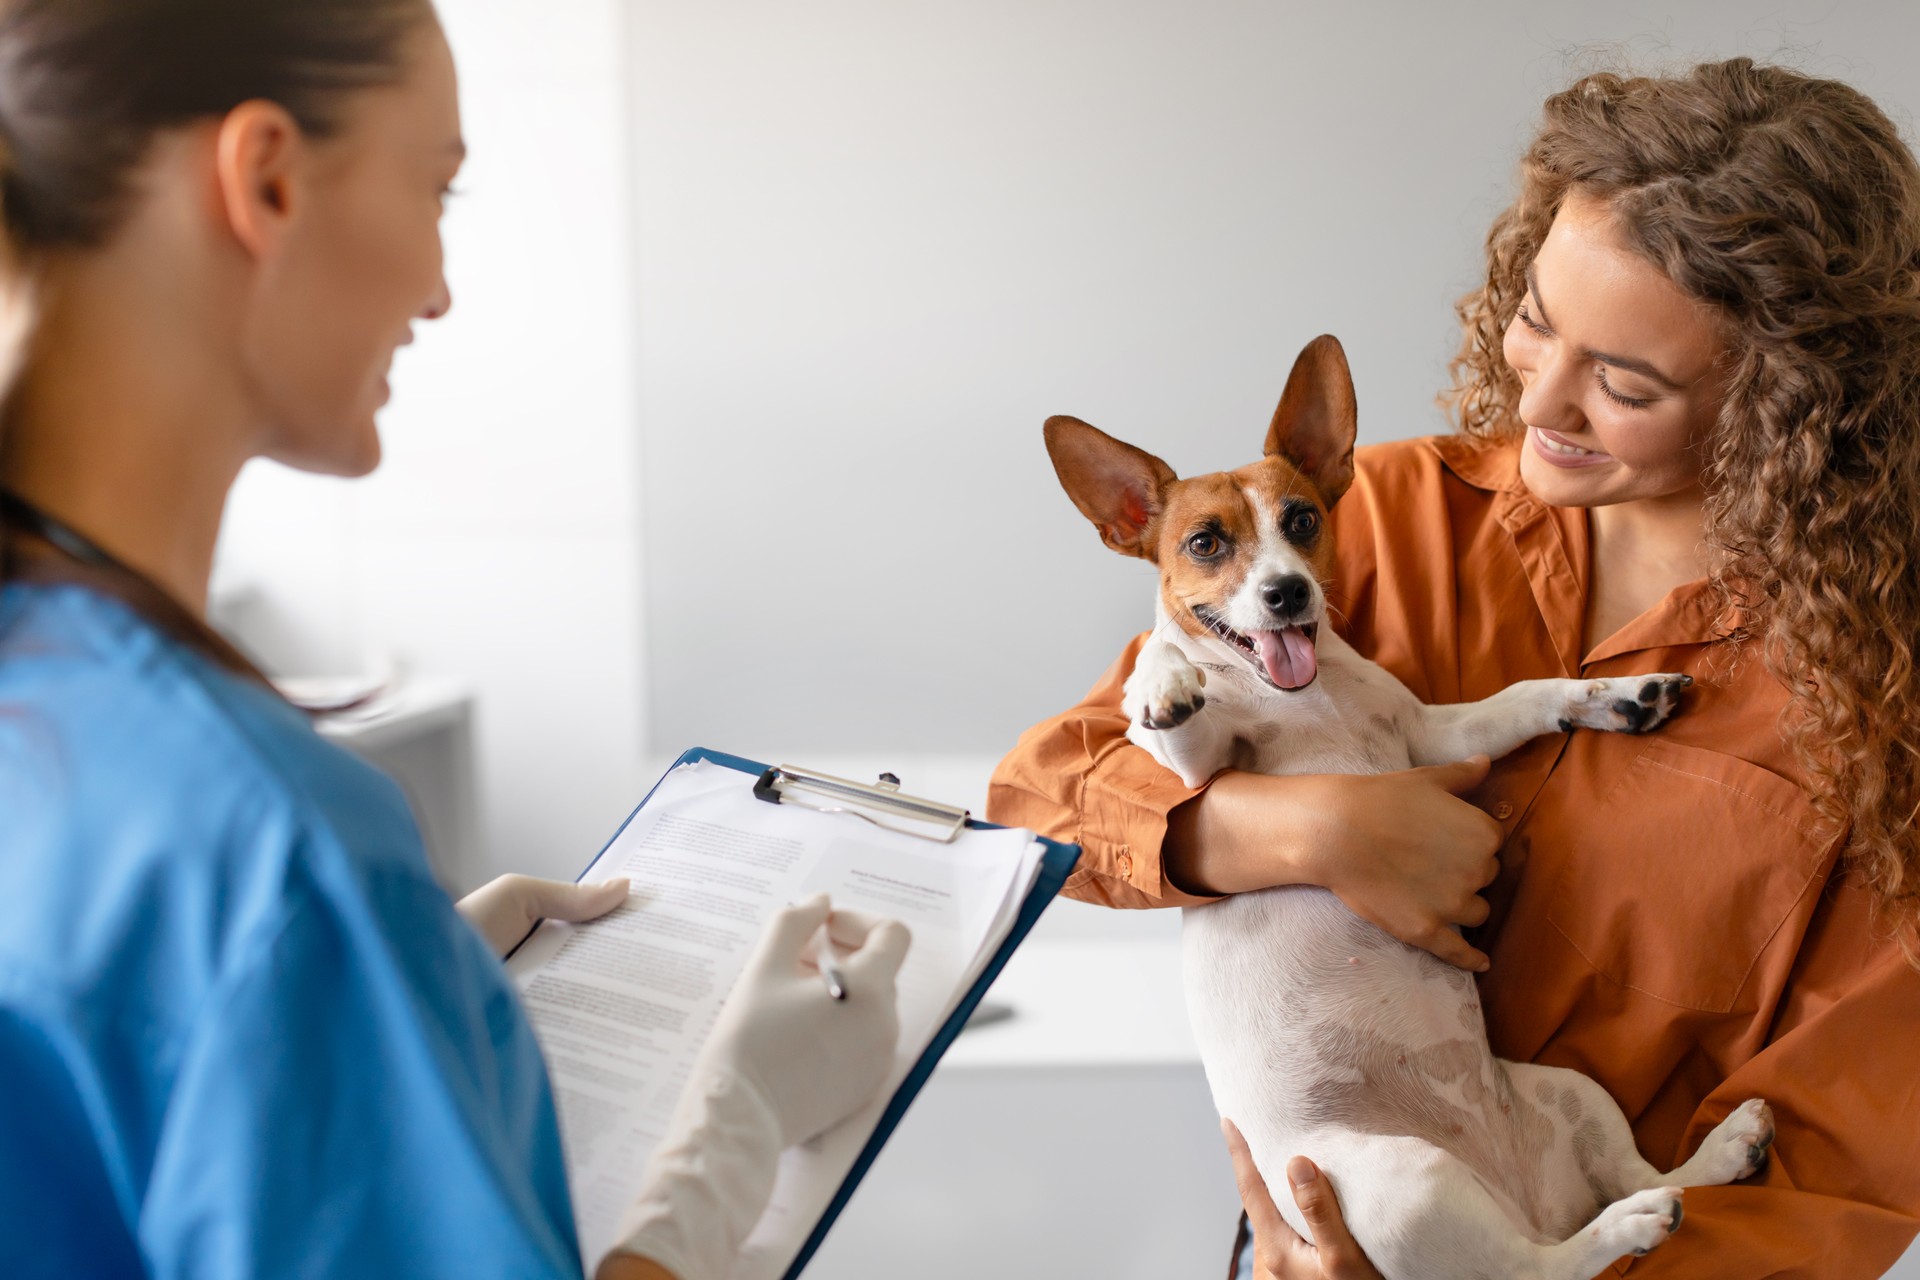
(505, 909)
(785, 1062)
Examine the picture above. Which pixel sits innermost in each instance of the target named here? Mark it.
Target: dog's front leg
(1494, 726)
(1164, 703)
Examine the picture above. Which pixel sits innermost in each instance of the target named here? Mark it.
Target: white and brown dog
(1323, 1036)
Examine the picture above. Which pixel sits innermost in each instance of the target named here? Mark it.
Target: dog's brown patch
(1240, 508)
(1142, 509)
(1453, 1095)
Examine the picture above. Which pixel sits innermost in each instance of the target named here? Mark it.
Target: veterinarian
(1688, 400)
(242, 1033)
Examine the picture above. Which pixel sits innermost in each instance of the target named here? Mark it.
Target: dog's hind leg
(1735, 1149)
(1421, 1213)
(1636, 1225)
(1594, 1139)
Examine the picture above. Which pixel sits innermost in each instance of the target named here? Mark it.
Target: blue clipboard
(1055, 865)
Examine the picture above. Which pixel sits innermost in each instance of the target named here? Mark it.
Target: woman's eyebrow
(1629, 363)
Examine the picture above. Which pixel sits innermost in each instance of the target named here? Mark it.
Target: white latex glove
(505, 909)
(785, 1062)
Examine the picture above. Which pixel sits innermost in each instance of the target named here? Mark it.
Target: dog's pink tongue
(1288, 657)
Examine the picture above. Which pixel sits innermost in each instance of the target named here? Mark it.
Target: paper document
(622, 1005)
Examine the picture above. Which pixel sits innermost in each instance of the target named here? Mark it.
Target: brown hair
(87, 85)
(1791, 207)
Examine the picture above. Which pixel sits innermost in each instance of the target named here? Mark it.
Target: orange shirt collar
(1554, 548)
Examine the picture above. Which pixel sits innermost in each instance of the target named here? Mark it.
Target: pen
(829, 967)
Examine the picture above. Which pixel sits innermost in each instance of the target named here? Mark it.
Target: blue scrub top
(242, 1032)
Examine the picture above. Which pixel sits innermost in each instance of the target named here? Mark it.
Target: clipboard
(883, 804)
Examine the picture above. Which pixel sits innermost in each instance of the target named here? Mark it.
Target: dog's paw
(1737, 1147)
(1624, 704)
(1638, 1224)
(1164, 689)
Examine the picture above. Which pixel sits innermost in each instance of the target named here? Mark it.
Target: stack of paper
(621, 1006)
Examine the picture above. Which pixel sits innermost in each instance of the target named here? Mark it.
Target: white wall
(499, 543)
(733, 435)
(879, 243)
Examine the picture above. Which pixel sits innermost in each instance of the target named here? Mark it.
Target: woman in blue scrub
(242, 1033)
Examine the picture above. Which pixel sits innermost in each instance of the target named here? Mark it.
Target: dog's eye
(1204, 545)
(1302, 523)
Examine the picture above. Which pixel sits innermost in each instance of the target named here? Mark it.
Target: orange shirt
(1665, 918)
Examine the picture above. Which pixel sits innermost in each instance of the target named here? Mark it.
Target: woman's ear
(258, 160)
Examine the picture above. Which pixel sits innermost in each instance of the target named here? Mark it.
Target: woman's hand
(1405, 852)
(814, 1058)
(1278, 1251)
(505, 909)
(1402, 850)
(785, 1060)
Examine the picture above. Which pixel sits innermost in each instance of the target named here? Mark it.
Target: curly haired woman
(1689, 401)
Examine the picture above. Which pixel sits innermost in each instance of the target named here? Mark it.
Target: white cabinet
(422, 736)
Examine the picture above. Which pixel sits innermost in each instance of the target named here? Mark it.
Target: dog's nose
(1290, 593)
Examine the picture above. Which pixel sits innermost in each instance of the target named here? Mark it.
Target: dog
(1321, 1034)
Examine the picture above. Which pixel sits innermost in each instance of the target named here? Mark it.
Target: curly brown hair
(1791, 207)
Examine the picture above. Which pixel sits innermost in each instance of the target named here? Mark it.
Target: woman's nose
(439, 304)
(1551, 397)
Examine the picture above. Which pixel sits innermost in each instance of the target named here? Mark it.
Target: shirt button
(1126, 865)
(1503, 810)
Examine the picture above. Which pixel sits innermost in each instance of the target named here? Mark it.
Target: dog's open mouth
(1287, 658)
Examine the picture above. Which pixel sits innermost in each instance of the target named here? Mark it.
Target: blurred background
(733, 439)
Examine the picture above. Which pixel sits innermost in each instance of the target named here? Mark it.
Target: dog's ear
(1118, 487)
(1315, 424)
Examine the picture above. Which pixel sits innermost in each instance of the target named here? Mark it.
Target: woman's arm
(1075, 777)
(1401, 849)
(359, 1095)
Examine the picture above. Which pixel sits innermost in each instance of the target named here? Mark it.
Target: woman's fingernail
(1300, 1171)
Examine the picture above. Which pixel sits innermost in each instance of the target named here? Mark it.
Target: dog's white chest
(1352, 719)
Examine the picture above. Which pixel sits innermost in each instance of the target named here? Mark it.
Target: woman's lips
(1562, 452)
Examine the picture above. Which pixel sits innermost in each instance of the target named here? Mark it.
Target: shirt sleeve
(1076, 777)
(361, 1097)
(1840, 1195)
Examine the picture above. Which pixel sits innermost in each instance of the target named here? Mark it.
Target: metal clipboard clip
(880, 803)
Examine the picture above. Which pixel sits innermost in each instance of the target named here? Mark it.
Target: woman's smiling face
(360, 266)
(1618, 369)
